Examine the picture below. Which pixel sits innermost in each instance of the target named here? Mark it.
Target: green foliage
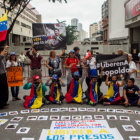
(71, 34)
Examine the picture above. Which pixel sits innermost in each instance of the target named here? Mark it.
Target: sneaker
(18, 98)
(106, 103)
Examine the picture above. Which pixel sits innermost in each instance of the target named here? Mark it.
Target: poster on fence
(49, 36)
(82, 124)
(14, 76)
(113, 64)
(81, 134)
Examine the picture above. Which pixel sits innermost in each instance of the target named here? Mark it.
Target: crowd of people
(78, 70)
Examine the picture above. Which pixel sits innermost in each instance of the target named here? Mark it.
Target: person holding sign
(12, 62)
(3, 79)
(38, 89)
(93, 93)
(75, 92)
(113, 96)
(129, 93)
(55, 94)
(35, 62)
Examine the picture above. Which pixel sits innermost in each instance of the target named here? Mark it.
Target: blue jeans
(15, 91)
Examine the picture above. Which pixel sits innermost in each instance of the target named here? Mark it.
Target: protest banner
(14, 76)
(49, 36)
(113, 64)
(82, 124)
(81, 134)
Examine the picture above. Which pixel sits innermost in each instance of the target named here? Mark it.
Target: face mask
(114, 81)
(76, 78)
(36, 84)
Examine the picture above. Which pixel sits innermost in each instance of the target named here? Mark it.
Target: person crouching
(93, 93)
(75, 91)
(55, 94)
(113, 95)
(38, 89)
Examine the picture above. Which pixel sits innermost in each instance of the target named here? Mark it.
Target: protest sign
(14, 76)
(49, 36)
(81, 124)
(81, 134)
(113, 64)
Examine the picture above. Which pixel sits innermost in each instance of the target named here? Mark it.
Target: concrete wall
(117, 19)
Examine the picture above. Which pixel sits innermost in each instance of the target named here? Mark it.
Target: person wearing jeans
(12, 62)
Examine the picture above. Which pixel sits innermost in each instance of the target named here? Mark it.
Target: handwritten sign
(14, 76)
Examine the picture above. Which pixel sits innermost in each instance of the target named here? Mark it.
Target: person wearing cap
(4, 93)
(75, 92)
(36, 98)
(71, 65)
(12, 62)
(91, 62)
(35, 64)
(55, 94)
(93, 93)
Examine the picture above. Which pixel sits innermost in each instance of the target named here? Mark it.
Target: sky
(87, 11)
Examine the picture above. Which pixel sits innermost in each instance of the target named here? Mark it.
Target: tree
(71, 32)
(19, 5)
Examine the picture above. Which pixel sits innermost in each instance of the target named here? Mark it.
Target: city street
(36, 126)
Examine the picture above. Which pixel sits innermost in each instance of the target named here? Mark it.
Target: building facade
(132, 23)
(93, 29)
(21, 34)
(118, 34)
(74, 22)
(105, 15)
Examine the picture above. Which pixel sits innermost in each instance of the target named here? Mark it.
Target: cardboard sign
(14, 76)
(49, 36)
(82, 124)
(81, 134)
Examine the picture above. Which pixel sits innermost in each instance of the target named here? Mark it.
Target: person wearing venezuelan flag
(75, 92)
(113, 95)
(93, 93)
(55, 94)
(36, 97)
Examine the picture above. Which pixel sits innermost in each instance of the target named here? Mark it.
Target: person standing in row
(4, 93)
(132, 67)
(35, 64)
(22, 59)
(12, 62)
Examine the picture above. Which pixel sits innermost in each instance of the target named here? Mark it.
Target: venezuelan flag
(34, 101)
(55, 94)
(3, 27)
(93, 92)
(113, 94)
(75, 92)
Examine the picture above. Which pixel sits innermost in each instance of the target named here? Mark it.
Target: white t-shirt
(92, 63)
(8, 64)
(22, 58)
(132, 66)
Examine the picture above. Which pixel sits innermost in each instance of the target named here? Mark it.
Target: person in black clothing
(55, 94)
(129, 93)
(77, 50)
(4, 93)
(93, 93)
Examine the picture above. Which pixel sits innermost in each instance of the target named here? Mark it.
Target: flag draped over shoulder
(3, 27)
(55, 94)
(34, 101)
(113, 93)
(93, 92)
(75, 92)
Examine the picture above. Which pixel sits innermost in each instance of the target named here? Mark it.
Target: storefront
(132, 21)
